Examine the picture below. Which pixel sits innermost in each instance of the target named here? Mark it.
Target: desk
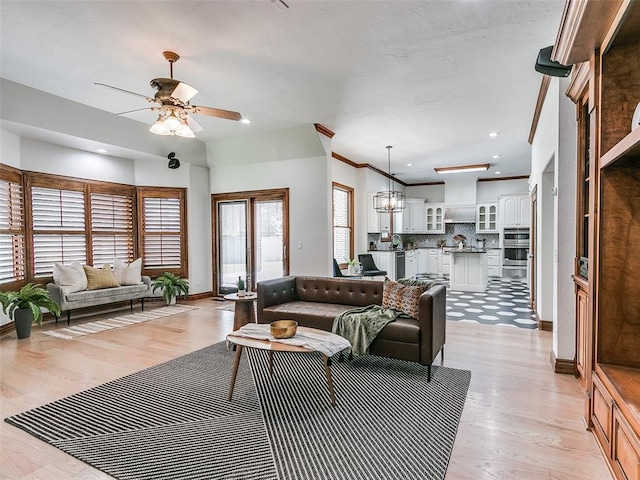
(244, 311)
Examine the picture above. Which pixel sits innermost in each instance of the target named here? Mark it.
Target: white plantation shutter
(58, 220)
(163, 238)
(12, 252)
(112, 227)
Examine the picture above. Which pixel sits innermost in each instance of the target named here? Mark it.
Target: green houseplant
(24, 307)
(171, 286)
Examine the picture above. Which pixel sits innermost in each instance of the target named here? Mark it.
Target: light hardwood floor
(521, 421)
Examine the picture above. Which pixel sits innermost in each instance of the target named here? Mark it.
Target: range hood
(460, 201)
(460, 214)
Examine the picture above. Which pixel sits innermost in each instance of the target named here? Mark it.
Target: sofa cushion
(71, 278)
(355, 293)
(98, 278)
(403, 298)
(309, 314)
(114, 294)
(128, 274)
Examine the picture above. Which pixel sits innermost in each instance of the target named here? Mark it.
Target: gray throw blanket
(361, 325)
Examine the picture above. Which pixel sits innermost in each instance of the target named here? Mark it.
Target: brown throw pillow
(402, 298)
(98, 278)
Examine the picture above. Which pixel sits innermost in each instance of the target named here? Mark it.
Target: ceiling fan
(172, 104)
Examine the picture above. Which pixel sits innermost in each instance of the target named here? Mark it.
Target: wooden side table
(244, 311)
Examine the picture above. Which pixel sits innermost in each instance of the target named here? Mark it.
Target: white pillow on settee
(70, 277)
(128, 274)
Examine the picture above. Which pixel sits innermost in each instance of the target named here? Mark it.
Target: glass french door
(251, 238)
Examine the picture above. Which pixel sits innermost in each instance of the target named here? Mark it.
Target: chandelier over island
(389, 201)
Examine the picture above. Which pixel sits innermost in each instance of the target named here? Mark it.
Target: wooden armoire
(601, 39)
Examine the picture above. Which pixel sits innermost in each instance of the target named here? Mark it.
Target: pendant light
(389, 201)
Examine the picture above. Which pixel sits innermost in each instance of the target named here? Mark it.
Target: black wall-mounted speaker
(173, 161)
(545, 65)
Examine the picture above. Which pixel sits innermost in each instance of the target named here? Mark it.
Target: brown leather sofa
(316, 301)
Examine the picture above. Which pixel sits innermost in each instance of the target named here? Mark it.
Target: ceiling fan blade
(216, 112)
(184, 92)
(137, 110)
(149, 99)
(195, 126)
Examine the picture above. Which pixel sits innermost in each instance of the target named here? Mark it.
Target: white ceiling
(432, 78)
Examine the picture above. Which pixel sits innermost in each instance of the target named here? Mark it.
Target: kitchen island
(468, 270)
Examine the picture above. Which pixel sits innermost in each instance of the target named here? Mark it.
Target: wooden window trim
(350, 191)
(164, 192)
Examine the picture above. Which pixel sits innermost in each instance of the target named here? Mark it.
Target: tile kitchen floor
(505, 302)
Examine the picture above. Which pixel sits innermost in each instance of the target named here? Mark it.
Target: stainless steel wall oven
(515, 252)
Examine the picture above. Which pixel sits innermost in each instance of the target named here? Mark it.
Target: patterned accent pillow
(402, 298)
(98, 278)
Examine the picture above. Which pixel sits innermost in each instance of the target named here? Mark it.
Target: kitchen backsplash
(492, 240)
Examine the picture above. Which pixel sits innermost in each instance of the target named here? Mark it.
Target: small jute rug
(173, 421)
(115, 322)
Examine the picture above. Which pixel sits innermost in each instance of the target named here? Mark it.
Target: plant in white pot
(352, 267)
(24, 307)
(171, 286)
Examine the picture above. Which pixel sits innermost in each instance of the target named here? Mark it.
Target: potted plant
(171, 286)
(240, 285)
(352, 266)
(23, 307)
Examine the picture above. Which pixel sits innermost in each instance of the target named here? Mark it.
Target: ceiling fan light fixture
(389, 201)
(185, 132)
(480, 167)
(158, 128)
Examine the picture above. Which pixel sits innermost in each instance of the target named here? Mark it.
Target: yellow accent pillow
(98, 278)
(402, 298)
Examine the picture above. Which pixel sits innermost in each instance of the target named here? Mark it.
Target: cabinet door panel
(626, 451)
(602, 412)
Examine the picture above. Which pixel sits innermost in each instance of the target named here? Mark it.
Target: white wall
(9, 148)
(199, 227)
(555, 140)
(309, 214)
(433, 193)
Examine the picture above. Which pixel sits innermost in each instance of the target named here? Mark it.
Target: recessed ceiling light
(498, 173)
(102, 150)
(245, 120)
(496, 156)
(409, 164)
(494, 134)
(463, 168)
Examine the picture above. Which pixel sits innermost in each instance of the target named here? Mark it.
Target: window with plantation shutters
(163, 230)
(112, 232)
(342, 223)
(12, 248)
(59, 232)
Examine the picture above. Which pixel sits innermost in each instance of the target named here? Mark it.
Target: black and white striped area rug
(173, 421)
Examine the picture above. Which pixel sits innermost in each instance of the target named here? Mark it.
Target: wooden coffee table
(244, 311)
(242, 342)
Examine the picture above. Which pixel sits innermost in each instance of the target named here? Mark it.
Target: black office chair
(336, 269)
(369, 268)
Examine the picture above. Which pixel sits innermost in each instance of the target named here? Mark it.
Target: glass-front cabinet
(435, 218)
(487, 218)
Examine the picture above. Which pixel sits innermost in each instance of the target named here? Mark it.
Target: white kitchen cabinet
(373, 217)
(434, 214)
(515, 211)
(468, 272)
(433, 261)
(413, 216)
(487, 218)
(445, 263)
(410, 263)
(423, 260)
(494, 262)
(385, 261)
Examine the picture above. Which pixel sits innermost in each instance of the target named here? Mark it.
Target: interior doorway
(250, 238)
